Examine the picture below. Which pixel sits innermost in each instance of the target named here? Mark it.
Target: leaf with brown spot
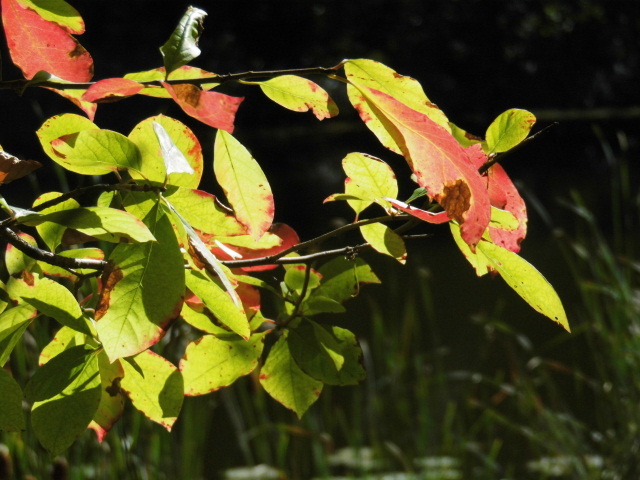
(212, 108)
(438, 161)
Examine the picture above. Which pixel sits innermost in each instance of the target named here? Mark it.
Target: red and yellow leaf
(159, 74)
(244, 183)
(111, 90)
(438, 161)
(37, 44)
(212, 108)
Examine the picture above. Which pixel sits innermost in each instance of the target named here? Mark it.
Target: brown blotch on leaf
(78, 51)
(114, 388)
(190, 94)
(27, 277)
(456, 199)
(110, 278)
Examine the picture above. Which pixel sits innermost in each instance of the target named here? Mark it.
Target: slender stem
(34, 252)
(20, 84)
(303, 293)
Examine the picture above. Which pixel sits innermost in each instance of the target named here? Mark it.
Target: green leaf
(463, 137)
(103, 223)
(95, 152)
(52, 233)
(111, 399)
(142, 293)
(300, 95)
(244, 184)
(341, 278)
(526, 281)
(285, 381)
(54, 271)
(53, 300)
(64, 339)
(204, 212)
(202, 320)
(417, 193)
(295, 275)
(60, 126)
(218, 302)
(210, 362)
(15, 260)
(152, 163)
(13, 323)
(385, 241)
(11, 416)
(154, 386)
(372, 175)
(477, 259)
(65, 393)
(159, 74)
(508, 130)
(331, 355)
(182, 46)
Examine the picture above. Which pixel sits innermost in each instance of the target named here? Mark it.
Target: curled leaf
(182, 46)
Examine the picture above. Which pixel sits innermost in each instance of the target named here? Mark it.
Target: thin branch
(303, 293)
(69, 264)
(21, 84)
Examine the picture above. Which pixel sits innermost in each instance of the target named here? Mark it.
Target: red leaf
(111, 90)
(503, 194)
(438, 161)
(74, 95)
(36, 44)
(212, 108)
(285, 232)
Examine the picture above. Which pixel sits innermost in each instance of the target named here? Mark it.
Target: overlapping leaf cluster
(165, 251)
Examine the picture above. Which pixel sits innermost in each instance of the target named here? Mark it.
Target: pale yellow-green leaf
(385, 241)
(508, 130)
(300, 95)
(371, 175)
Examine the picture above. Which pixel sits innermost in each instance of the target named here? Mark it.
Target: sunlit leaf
(111, 90)
(60, 126)
(283, 379)
(244, 183)
(437, 160)
(204, 212)
(182, 46)
(158, 74)
(51, 233)
(154, 386)
(372, 175)
(385, 241)
(11, 414)
(58, 12)
(300, 95)
(104, 223)
(429, 217)
(341, 278)
(210, 363)
(15, 260)
(88, 253)
(142, 291)
(65, 393)
(64, 339)
(111, 399)
(219, 302)
(372, 74)
(37, 44)
(526, 281)
(211, 108)
(508, 130)
(13, 323)
(96, 152)
(152, 162)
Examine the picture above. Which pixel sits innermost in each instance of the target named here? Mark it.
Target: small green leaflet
(65, 393)
(60, 126)
(154, 386)
(15, 260)
(11, 415)
(371, 175)
(210, 362)
(508, 130)
(51, 233)
(526, 281)
(103, 223)
(174, 159)
(182, 46)
(300, 95)
(284, 380)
